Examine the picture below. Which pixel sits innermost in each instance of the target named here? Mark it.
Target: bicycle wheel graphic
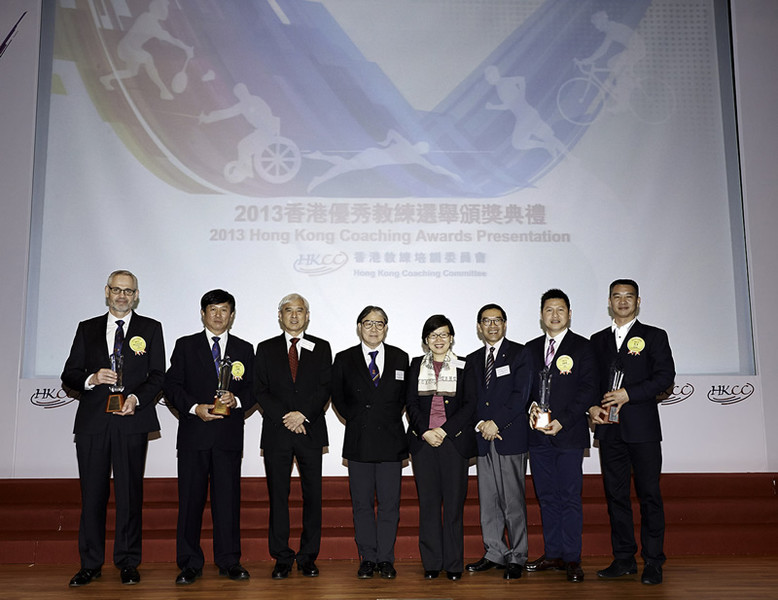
(652, 100)
(580, 99)
(279, 161)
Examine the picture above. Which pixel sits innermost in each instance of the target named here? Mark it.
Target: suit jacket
(277, 394)
(192, 380)
(143, 374)
(374, 425)
(647, 373)
(460, 412)
(505, 402)
(571, 394)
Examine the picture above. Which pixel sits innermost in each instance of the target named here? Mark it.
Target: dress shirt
(379, 359)
(621, 332)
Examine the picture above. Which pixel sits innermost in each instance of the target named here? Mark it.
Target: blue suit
(557, 461)
(502, 463)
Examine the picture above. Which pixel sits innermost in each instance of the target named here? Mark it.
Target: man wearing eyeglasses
(118, 440)
(368, 391)
(498, 376)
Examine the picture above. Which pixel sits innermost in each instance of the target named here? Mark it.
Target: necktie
(217, 353)
(550, 352)
(374, 374)
(294, 359)
(489, 367)
(118, 339)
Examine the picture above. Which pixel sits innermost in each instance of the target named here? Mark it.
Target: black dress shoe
(308, 568)
(575, 572)
(387, 570)
(236, 572)
(652, 574)
(188, 575)
(483, 565)
(129, 576)
(84, 576)
(366, 569)
(431, 574)
(512, 571)
(618, 568)
(454, 575)
(544, 564)
(281, 571)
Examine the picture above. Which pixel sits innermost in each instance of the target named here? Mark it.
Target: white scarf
(445, 384)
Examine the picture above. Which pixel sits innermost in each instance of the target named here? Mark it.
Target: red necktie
(294, 359)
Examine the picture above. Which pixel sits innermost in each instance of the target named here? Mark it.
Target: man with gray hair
(292, 388)
(114, 418)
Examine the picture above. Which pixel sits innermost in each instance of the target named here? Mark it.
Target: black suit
(441, 473)
(105, 441)
(633, 446)
(277, 394)
(557, 461)
(502, 463)
(208, 451)
(375, 444)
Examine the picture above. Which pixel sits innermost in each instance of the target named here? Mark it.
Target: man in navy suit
(499, 377)
(115, 441)
(632, 446)
(556, 446)
(210, 444)
(292, 387)
(368, 391)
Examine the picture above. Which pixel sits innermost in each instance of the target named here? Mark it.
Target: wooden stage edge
(686, 577)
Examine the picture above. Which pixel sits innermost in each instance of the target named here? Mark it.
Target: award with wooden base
(116, 397)
(225, 377)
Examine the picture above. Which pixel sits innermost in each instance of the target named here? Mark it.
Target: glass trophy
(225, 377)
(116, 397)
(544, 417)
(616, 377)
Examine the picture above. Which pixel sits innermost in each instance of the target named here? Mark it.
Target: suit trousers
(503, 506)
(441, 479)
(97, 454)
(196, 468)
(278, 471)
(619, 460)
(375, 531)
(558, 477)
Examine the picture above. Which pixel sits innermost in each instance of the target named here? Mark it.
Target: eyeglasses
(126, 291)
(496, 321)
(379, 325)
(438, 336)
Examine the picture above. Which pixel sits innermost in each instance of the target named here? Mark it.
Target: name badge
(459, 363)
(399, 375)
(307, 344)
(503, 370)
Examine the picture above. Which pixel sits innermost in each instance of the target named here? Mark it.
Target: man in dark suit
(632, 446)
(368, 390)
(561, 433)
(117, 440)
(292, 387)
(210, 443)
(499, 377)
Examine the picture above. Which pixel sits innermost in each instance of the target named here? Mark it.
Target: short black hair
(631, 282)
(433, 323)
(217, 297)
(554, 294)
(368, 309)
(486, 307)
